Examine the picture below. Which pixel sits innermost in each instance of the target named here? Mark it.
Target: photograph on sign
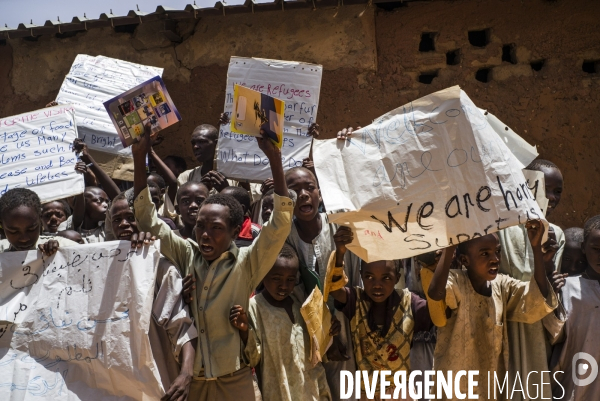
(253, 111)
(147, 103)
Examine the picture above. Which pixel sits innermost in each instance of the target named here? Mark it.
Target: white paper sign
(299, 85)
(36, 152)
(426, 175)
(90, 82)
(75, 326)
(537, 186)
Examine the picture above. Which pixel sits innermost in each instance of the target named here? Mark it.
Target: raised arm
(109, 186)
(165, 172)
(535, 232)
(336, 278)
(437, 287)
(176, 249)
(264, 250)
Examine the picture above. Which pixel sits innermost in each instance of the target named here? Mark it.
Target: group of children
(239, 261)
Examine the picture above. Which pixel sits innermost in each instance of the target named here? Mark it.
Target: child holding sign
(481, 302)
(225, 274)
(276, 337)
(382, 318)
(530, 348)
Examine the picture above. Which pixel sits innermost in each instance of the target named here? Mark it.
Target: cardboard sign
(91, 81)
(36, 152)
(75, 326)
(424, 176)
(298, 85)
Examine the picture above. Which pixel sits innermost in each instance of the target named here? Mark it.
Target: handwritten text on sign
(90, 82)
(65, 321)
(424, 176)
(36, 153)
(298, 84)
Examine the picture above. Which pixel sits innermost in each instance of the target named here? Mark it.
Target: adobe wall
(372, 64)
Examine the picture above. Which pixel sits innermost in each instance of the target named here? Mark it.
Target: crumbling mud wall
(534, 64)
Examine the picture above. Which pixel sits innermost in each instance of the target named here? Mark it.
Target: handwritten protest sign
(298, 84)
(36, 153)
(537, 186)
(75, 326)
(423, 176)
(90, 82)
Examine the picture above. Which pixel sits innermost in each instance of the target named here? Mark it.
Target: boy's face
(309, 196)
(573, 260)
(281, 279)
(482, 258)
(190, 198)
(123, 220)
(22, 227)
(173, 167)
(156, 196)
(379, 279)
(203, 145)
(554, 186)
(153, 180)
(591, 249)
(213, 231)
(53, 213)
(96, 204)
(267, 208)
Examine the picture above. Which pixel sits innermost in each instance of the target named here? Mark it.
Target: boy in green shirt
(225, 275)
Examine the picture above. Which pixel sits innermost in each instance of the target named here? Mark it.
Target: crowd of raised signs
(245, 257)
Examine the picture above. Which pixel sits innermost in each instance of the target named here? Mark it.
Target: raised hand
(141, 239)
(314, 129)
(49, 248)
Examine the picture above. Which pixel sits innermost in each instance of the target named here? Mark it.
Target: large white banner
(36, 152)
(299, 85)
(426, 175)
(90, 82)
(75, 326)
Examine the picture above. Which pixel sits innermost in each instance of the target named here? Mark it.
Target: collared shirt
(229, 280)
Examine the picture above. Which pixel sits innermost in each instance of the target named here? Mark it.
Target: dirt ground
(539, 88)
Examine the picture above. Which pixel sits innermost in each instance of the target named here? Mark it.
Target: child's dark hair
(287, 252)
(189, 184)
(211, 130)
(295, 169)
(236, 214)
(574, 234)
(64, 204)
(270, 192)
(397, 266)
(158, 179)
(17, 197)
(592, 224)
(178, 161)
(537, 164)
(241, 195)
